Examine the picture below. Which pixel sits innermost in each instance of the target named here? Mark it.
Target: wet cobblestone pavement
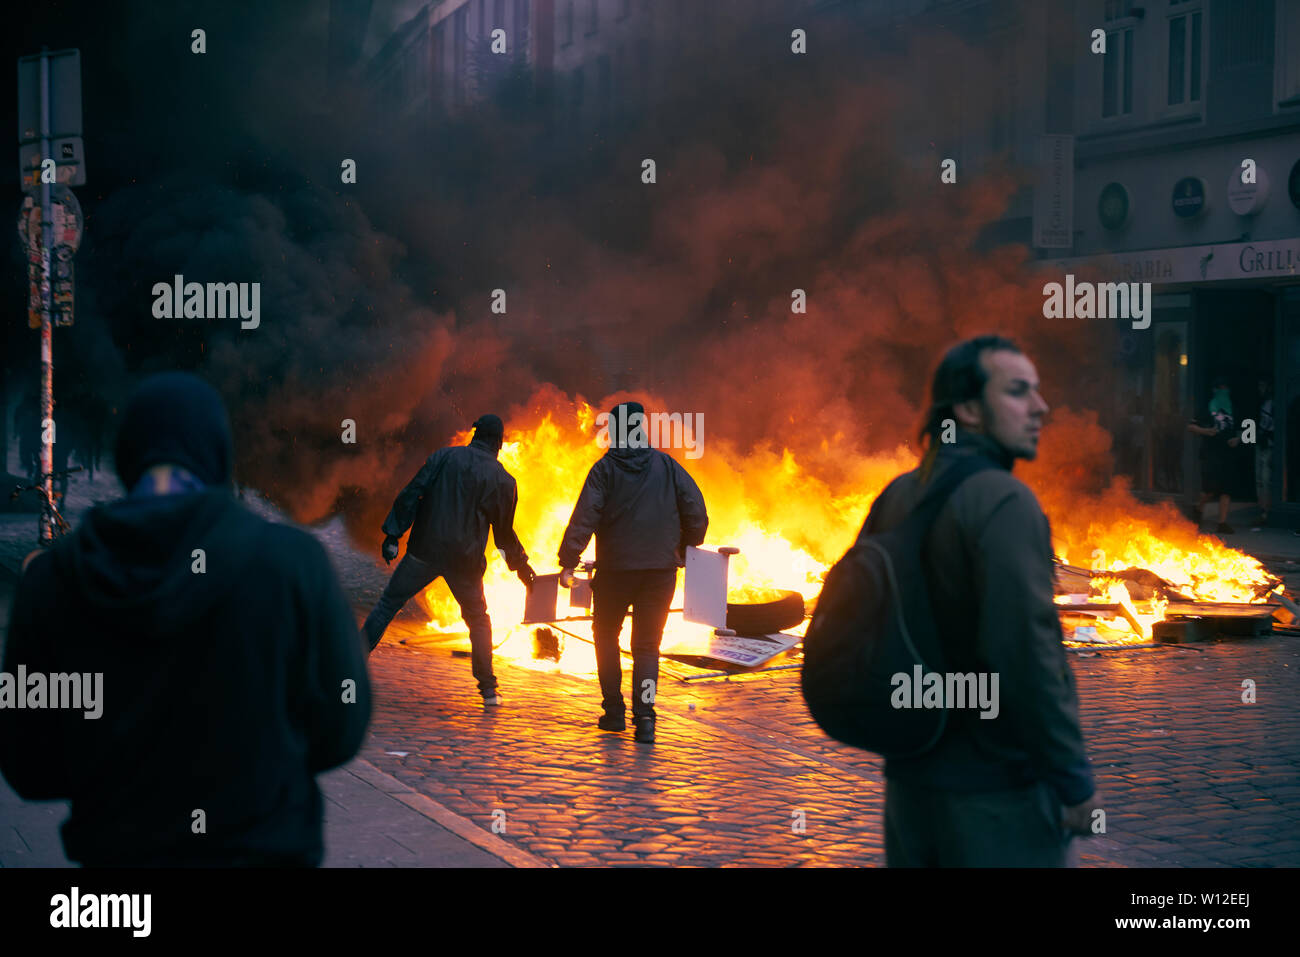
(1193, 776)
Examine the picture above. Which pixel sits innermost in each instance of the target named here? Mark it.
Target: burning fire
(790, 526)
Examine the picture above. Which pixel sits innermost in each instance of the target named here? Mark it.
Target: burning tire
(766, 617)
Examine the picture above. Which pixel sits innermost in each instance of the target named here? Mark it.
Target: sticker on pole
(65, 214)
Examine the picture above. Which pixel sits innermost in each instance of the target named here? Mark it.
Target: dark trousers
(413, 576)
(933, 828)
(649, 593)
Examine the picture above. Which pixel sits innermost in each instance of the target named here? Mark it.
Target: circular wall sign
(1113, 206)
(1246, 199)
(1189, 197)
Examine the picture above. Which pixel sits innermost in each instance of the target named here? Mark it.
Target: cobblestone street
(1193, 776)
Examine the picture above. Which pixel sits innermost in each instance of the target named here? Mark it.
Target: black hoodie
(232, 669)
(459, 493)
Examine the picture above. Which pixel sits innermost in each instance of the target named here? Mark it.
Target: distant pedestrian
(644, 509)
(458, 494)
(1216, 475)
(27, 423)
(1264, 452)
(1011, 790)
(220, 662)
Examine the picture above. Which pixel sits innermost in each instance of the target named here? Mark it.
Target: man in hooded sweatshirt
(459, 493)
(644, 510)
(220, 664)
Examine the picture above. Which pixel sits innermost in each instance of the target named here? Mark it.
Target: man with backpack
(999, 786)
(459, 493)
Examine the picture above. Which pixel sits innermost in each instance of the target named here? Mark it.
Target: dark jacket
(990, 554)
(643, 508)
(223, 691)
(449, 505)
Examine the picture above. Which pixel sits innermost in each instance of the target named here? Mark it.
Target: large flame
(790, 526)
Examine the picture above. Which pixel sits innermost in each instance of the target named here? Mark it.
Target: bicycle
(59, 526)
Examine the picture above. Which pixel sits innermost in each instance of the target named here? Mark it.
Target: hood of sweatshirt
(630, 460)
(158, 563)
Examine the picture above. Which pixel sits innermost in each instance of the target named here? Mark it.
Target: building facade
(1187, 176)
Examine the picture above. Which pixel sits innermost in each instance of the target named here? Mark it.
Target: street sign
(65, 95)
(69, 155)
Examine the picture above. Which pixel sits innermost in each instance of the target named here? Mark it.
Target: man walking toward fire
(459, 492)
(1007, 791)
(644, 510)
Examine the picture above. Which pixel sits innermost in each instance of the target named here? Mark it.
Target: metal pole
(47, 336)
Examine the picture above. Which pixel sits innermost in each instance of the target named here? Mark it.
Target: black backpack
(873, 621)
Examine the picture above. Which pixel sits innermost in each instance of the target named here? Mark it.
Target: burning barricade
(1151, 576)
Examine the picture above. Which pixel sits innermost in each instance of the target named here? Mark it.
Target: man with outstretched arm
(459, 493)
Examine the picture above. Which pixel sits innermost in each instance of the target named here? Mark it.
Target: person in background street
(232, 670)
(644, 509)
(1217, 472)
(459, 492)
(1264, 452)
(1008, 791)
(27, 423)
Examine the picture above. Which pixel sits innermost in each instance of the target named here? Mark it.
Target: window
(566, 23)
(521, 25)
(577, 91)
(604, 82)
(1184, 57)
(1002, 125)
(1117, 73)
(439, 54)
(1287, 53)
(1245, 29)
(459, 26)
(643, 71)
(593, 13)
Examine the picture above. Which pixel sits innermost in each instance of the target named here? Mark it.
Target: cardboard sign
(705, 599)
(750, 652)
(542, 599)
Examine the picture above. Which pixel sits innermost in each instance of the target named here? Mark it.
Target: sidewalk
(371, 820)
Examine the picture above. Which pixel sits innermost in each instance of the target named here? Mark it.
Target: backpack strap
(923, 513)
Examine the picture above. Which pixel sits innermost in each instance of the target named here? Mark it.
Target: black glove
(526, 575)
(390, 548)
